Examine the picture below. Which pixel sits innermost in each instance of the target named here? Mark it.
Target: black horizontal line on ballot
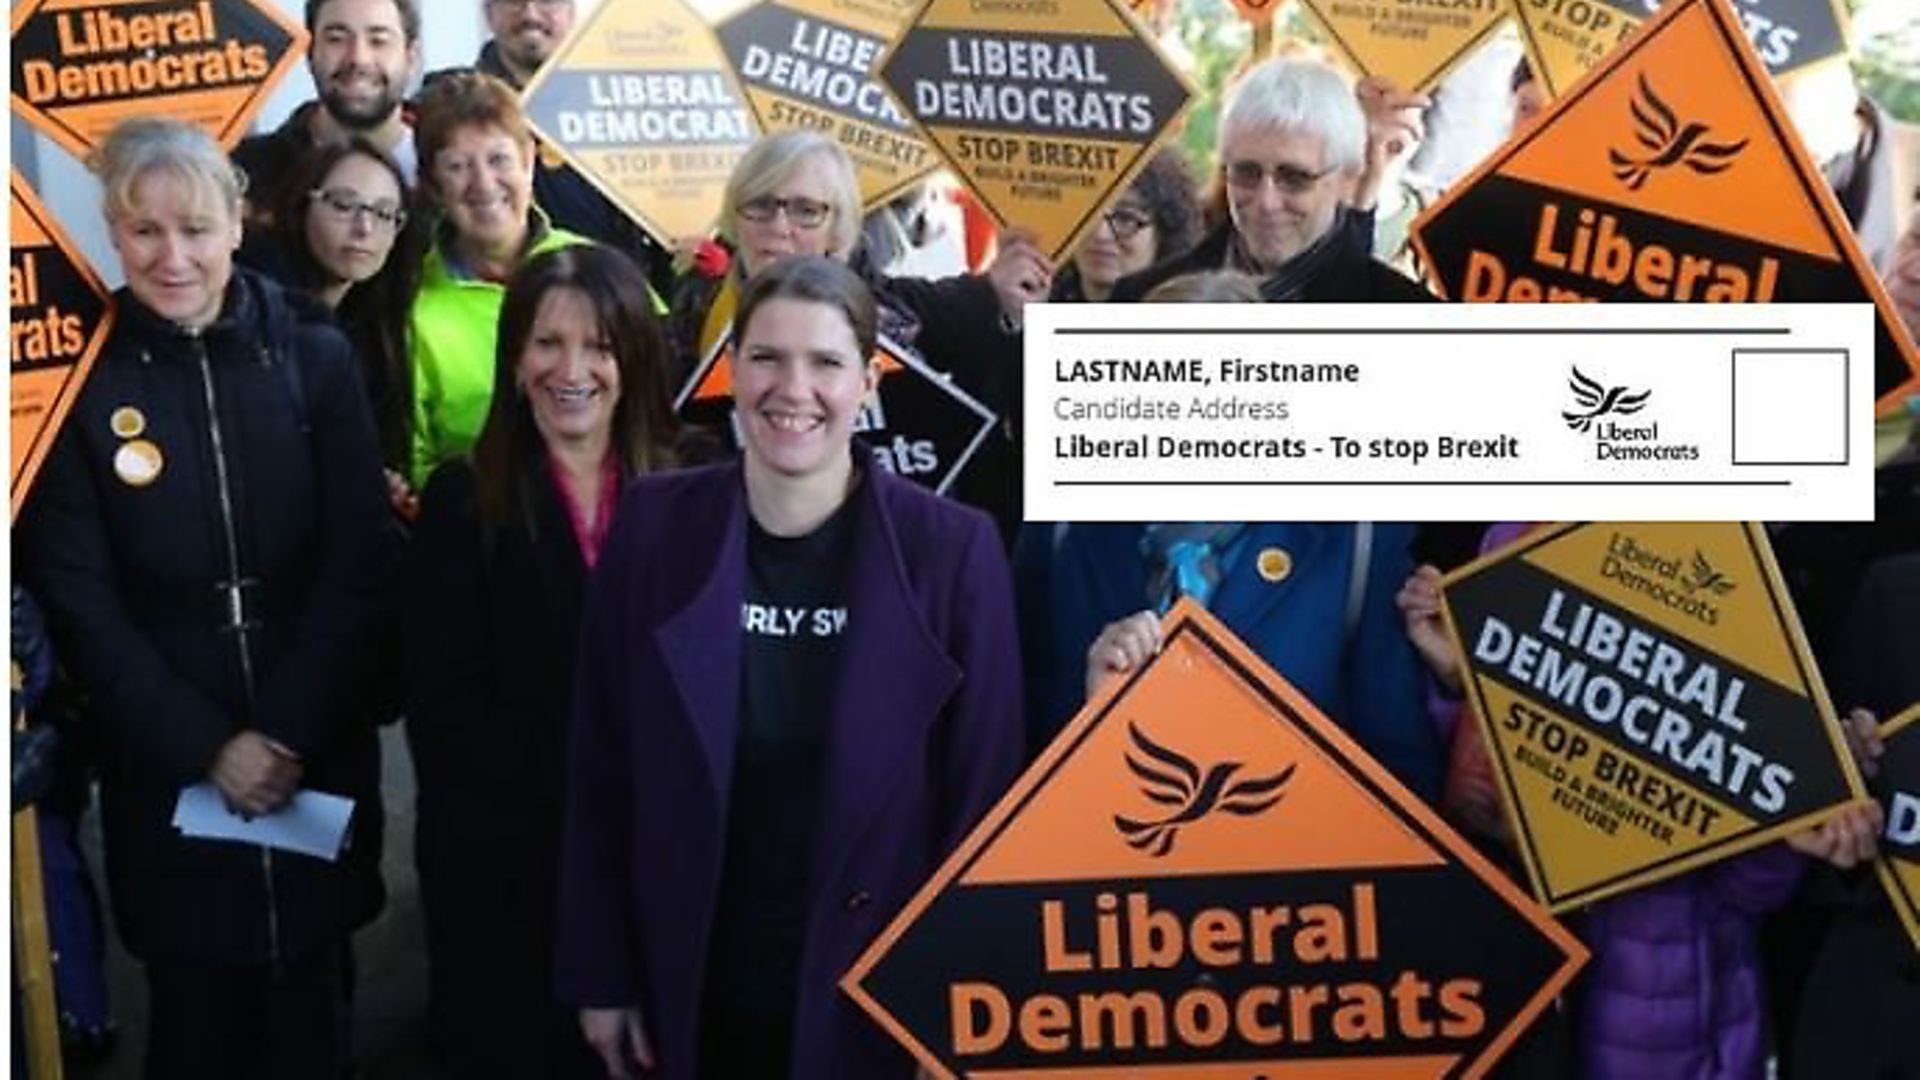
(1422, 483)
(1445, 331)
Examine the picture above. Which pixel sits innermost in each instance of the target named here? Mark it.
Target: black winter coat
(1352, 274)
(259, 420)
(493, 626)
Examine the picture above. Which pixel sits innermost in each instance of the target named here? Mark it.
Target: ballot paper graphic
(312, 823)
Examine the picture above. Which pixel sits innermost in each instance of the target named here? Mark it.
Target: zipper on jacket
(236, 606)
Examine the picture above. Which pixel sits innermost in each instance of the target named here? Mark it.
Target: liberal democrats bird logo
(1172, 780)
(1704, 576)
(1597, 401)
(1660, 131)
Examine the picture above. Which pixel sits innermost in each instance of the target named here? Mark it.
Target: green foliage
(1887, 66)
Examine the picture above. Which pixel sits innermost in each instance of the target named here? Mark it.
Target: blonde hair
(1207, 287)
(773, 160)
(141, 145)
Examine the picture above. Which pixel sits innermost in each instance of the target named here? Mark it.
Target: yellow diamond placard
(1648, 700)
(811, 64)
(82, 66)
(1566, 38)
(1898, 787)
(1414, 43)
(1046, 111)
(642, 101)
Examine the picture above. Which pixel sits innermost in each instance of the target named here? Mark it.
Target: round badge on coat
(127, 422)
(1275, 564)
(138, 463)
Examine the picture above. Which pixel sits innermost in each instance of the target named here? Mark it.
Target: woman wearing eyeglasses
(1158, 218)
(341, 216)
(795, 193)
(1293, 144)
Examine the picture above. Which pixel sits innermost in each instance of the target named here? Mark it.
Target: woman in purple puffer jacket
(1674, 990)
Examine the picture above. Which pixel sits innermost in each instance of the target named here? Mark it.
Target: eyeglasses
(1125, 221)
(522, 5)
(801, 212)
(345, 206)
(1292, 179)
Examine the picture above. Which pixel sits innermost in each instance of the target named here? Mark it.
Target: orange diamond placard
(1046, 111)
(61, 315)
(1204, 877)
(1670, 173)
(642, 101)
(82, 66)
(1898, 787)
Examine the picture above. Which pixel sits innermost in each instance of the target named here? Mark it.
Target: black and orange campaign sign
(642, 101)
(61, 314)
(1565, 38)
(1648, 700)
(809, 64)
(1046, 111)
(1898, 788)
(1205, 878)
(1414, 43)
(82, 66)
(1671, 174)
(918, 424)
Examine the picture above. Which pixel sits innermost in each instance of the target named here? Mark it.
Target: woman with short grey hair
(209, 538)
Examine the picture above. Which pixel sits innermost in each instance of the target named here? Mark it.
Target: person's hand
(619, 1037)
(1396, 127)
(1862, 731)
(1903, 278)
(1120, 648)
(1419, 602)
(1019, 274)
(255, 774)
(401, 496)
(1846, 839)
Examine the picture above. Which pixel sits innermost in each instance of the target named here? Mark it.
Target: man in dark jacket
(525, 35)
(364, 55)
(1292, 141)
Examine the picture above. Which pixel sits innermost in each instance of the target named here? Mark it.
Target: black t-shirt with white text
(793, 622)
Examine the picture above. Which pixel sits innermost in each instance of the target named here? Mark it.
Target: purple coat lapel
(894, 677)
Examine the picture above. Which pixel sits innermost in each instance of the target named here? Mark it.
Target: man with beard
(525, 35)
(363, 56)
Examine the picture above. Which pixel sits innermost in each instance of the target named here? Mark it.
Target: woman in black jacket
(495, 577)
(210, 539)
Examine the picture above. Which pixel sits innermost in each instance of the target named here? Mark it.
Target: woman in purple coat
(799, 687)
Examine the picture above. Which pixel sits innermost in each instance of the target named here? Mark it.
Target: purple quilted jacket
(1674, 990)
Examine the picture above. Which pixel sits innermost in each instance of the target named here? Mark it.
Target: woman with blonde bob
(796, 193)
(752, 795)
(209, 536)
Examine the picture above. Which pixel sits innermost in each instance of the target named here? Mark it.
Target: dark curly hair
(1167, 186)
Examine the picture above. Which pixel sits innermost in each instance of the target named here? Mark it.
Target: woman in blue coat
(798, 689)
(1316, 601)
